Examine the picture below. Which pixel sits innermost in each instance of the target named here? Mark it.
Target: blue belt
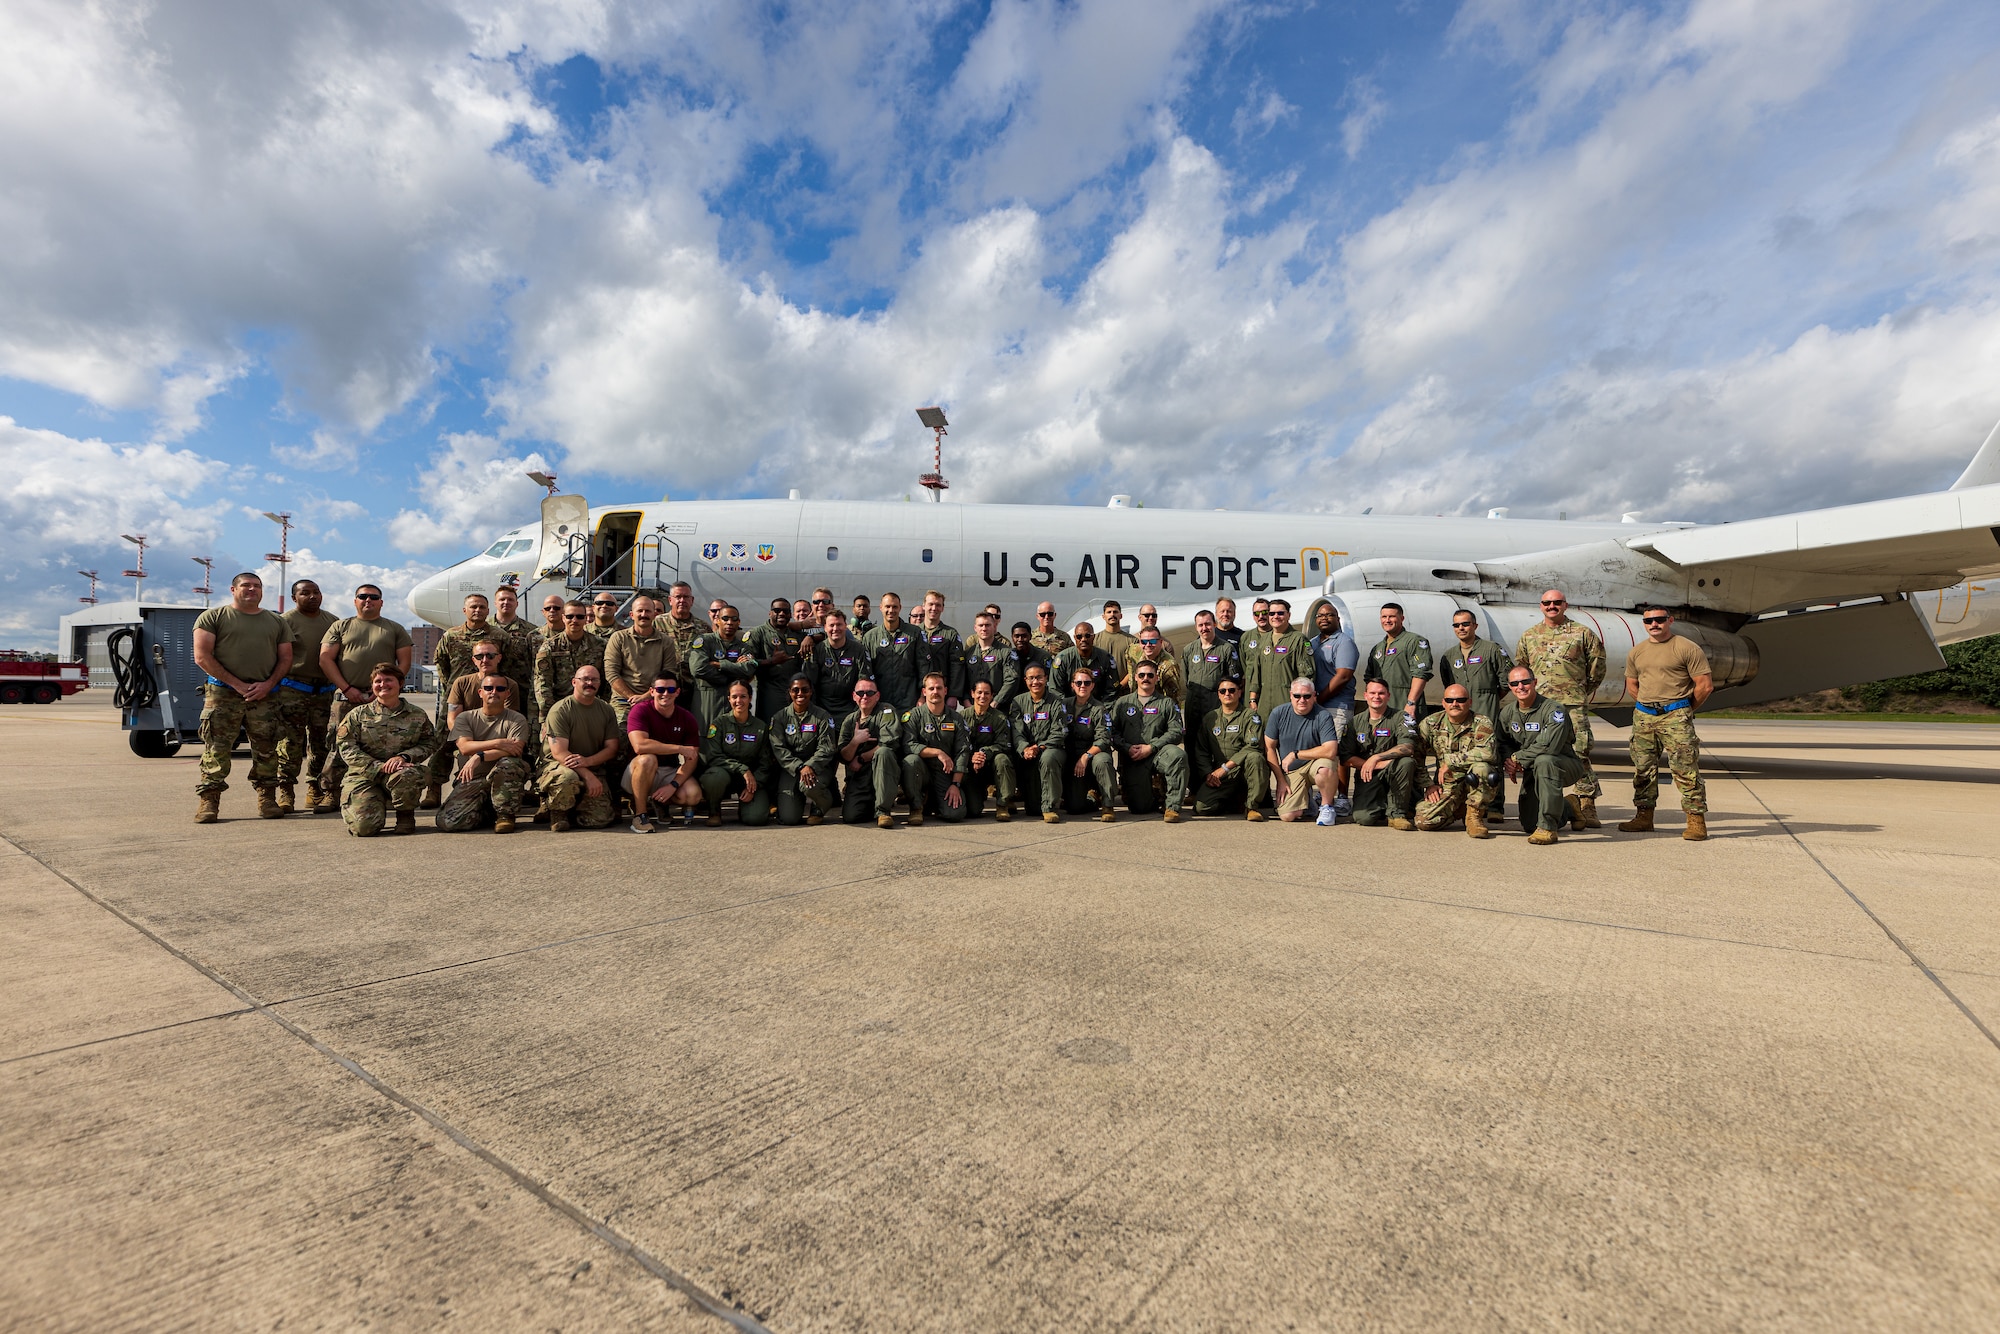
(327, 689)
(1655, 710)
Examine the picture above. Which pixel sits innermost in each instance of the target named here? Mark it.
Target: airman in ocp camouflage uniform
(558, 658)
(1568, 661)
(370, 736)
(1461, 748)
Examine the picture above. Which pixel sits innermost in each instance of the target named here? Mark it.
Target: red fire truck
(26, 680)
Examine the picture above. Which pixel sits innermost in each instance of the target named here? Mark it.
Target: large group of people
(641, 709)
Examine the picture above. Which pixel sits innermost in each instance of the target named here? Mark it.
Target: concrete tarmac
(1217, 1076)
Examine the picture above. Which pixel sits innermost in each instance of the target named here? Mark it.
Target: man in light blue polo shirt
(1336, 657)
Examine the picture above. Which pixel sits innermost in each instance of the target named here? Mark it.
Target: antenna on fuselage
(934, 481)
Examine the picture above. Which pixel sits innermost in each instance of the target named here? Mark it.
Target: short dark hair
(1022, 625)
(376, 587)
(667, 674)
(1396, 607)
(247, 574)
(297, 584)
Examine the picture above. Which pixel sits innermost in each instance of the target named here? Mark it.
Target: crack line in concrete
(603, 1231)
(1894, 939)
(134, 1033)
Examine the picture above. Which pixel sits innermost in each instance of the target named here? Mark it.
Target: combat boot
(287, 800)
(1475, 823)
(1254, 816)
(1576, 823)
(1542, 837)
(915, 819)
(1640, 823)
(267, 804)
(210, 809)
(1697, 828)
(406, 822)
(1588, 806)
(433, 795)
(1172, 816)
(312, 794)
(558, 824)
(504, 825)
(328, 801)
(1050, 817)
(815, 819)
(885, 822)
(1002, 814)
(1107, 815)
(1399, 822)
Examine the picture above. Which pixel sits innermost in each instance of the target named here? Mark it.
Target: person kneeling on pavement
(660, 728)
(1380, 752)
(583, 734)
(492, 773)
(1464, 746)
(1302, 747)
(870, 755)
(802, 737)
(1147, 731)
(736, 761)
(384, 746)
(1228, 755)
(1539, 741)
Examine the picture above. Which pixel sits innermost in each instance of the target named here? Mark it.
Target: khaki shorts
(1300, 792)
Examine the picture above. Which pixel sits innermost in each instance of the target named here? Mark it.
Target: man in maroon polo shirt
(662, 731)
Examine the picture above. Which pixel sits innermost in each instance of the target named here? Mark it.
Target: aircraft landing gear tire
(154, 745)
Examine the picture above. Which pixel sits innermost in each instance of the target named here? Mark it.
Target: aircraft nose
(430, 600)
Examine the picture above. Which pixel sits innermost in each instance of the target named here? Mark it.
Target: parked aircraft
(1782, 605)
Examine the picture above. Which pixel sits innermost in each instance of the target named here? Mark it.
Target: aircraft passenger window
(833, 553)
(927, 555)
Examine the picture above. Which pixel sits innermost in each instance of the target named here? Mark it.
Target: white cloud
(1366, 108)
(339, 578)
(473, 488)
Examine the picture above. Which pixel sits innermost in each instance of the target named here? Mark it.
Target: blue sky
(370, 263)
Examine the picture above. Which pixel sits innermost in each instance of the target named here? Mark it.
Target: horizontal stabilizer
(1911, 538)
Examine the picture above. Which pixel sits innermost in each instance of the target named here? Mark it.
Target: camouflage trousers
(564, 795)
(1670, 735)
(1579, 717)
(303, 749)
(335, 774)
(493, 792)
(365, 803)
(445, 758)
(1457, 795)
(223, 714)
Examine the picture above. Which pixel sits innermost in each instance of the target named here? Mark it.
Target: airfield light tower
(934, 481)
(138, 575)
(547, 479)
(207, 585)
(283, 555)
(91, 599)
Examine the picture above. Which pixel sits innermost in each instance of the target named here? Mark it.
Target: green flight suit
(1270, 668)
(1391, 793)
(899, 656)
(1236, 741)
(837, 668)
(1151, 721)
(1098, 663)
(1043, 724)
(766, 642)
(716, 664)
(990, 764)
(870, 791)
(992, 663)
(941, 653)
(1203, 668)
(730, 750)
(1396, 663)
(1089, 727)
(800, 741)
(1542, 740)
(927, 779)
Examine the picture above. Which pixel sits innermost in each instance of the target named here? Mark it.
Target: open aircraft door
(565, 521)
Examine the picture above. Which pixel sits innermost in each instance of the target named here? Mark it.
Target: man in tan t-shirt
(1670, 678)
(489, 743)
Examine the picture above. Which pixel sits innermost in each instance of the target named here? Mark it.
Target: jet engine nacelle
(1732, 657)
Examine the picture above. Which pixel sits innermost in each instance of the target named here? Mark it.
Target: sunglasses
(822, 602)
(1655, 620)
(1145, 676)
(367, 597)
(865, 694)
(1301, 696)
(493, 690)
(1456, 699)
(666, 690)
(1227, 690)
(1149, 643)
(1554, 602)
(800, 690)
(575, 616)
(486, 657)
(1519, 685)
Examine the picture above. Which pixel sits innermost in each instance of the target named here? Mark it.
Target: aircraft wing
(1919, 541)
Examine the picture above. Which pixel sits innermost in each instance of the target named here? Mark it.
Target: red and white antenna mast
(283, 555)
(934, 481)
(138, 575)
(207, 585)
(91, 575)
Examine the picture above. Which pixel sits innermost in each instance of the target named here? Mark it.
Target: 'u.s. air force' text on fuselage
(1113, 571)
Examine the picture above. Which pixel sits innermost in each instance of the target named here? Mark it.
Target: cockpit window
(501, 547)
(510, 546)
(522, 546)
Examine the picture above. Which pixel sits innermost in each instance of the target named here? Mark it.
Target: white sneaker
(1327, 815)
